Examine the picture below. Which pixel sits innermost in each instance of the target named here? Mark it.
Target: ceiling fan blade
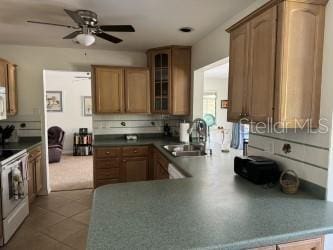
(117, 28)
(108, 37)
(54, 24)
(76, 17)
(72, 35)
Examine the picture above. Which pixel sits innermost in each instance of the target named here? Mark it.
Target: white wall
(74, 86)
(215, 46)
(33, 60)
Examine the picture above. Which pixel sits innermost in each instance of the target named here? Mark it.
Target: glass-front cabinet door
(161, 81)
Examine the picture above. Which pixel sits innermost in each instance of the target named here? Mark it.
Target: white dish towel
(18, 185)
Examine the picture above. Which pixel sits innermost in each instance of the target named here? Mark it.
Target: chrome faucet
(201, 128)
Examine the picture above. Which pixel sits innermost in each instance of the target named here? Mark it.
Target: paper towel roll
(183, 134)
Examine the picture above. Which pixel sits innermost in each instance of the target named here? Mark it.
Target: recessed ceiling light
(186, 29)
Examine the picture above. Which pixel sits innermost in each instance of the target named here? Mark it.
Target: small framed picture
(54, 101)
(87, 106)
(224, 104)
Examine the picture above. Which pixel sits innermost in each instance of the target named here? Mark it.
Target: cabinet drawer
(107, 173)
(99, 183)
(107, 163)
(135, 151)
(107, 152)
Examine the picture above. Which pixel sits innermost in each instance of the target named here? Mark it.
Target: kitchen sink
(185, 150)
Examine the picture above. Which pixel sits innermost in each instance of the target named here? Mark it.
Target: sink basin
(185, 150)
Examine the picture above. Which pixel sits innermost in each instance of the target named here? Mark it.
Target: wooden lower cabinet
(135, 168)
(310, 244)
(160, 166)
(120, 164)
(35, 177)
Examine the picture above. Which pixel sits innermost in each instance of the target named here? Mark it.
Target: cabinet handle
(135, 151)
(107, 153)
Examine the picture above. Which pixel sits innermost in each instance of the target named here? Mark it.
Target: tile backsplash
(25, 126)
(310, 161)
(134, 124)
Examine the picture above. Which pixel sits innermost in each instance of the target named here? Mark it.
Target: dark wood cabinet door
(161, 172)
(135, 169)
(160, 166)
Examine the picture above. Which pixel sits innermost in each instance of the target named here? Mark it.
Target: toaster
(257, 169)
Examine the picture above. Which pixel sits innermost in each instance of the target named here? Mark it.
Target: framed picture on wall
(54, 101)
(224, 104)
(87, 106)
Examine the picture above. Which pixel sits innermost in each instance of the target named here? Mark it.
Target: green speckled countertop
(212, 209)
(24, 143)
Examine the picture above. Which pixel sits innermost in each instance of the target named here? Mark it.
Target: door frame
(45, 151)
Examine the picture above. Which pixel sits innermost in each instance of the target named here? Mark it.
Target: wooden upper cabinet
(11, 89)
(137, 91)
(261, 78)
(181, 81)
(108, 89)
(161, 80)
(311, 244)
(170, 79)
(3, 73)
(299, 63)
(276, 62)
(120, 90)
(238, 72)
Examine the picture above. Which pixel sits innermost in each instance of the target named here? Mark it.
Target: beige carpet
(73, 172)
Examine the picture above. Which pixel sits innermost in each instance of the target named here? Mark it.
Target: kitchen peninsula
(211, 209)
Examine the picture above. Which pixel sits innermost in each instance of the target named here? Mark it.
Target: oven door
(8, 201)
(3, 104)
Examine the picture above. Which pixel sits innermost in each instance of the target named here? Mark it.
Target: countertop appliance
(3, 105)
(257, 169)
(174, 173)
(14, 210)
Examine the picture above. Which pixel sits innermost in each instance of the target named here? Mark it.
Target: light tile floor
(58, 221)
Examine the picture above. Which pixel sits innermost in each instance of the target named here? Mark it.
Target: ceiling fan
(87, 27)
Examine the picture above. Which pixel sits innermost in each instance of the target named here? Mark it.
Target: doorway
(210, 93)
(68, 124)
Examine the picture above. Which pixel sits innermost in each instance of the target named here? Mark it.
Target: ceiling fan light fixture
(85, 39)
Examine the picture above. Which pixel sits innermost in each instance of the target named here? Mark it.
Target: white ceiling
(220, 72)
(156, 21)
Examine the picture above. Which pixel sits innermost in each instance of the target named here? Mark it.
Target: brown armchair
(56, 138)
